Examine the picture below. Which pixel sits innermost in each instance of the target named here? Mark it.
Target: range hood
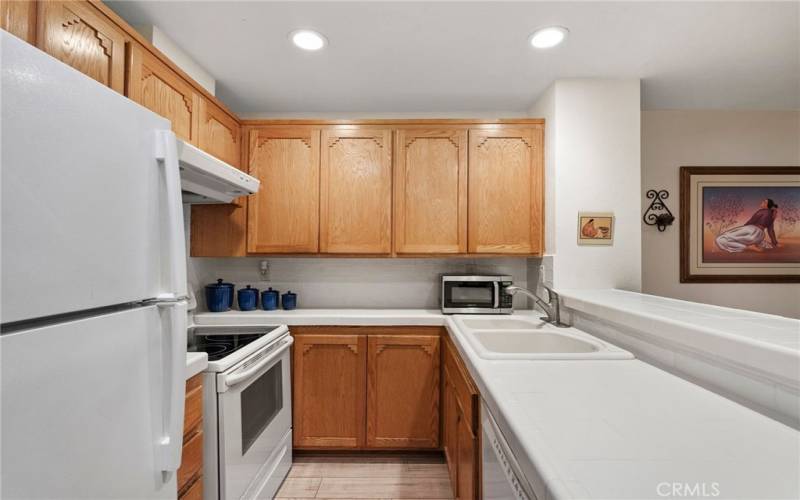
(206, 179)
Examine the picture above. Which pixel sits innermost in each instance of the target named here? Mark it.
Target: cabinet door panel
(219, 230)
(283, 217)
(450, 419)
(79, 35)
(467, 464)
(18, 17)
(505, 190)
(329, 384)
(356, 191)
(431, 191)
(219, 133)
(403, 392)
(155, 86)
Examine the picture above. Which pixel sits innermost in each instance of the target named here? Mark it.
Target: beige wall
(671, 139)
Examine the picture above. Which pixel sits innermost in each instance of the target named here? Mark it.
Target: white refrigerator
(93, 344)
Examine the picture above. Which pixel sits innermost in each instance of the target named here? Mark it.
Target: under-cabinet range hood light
(206, 179)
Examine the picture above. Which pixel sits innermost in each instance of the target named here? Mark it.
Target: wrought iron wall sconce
(657, 214)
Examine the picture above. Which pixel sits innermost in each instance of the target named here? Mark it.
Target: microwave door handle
(231, 380)
(496, 304)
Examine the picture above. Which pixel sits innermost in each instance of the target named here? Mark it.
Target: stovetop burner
(219, 342)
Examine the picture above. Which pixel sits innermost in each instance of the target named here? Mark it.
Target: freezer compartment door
(88, 194)
(91, 407)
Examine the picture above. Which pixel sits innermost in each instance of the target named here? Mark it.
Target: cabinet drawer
(193, 412)
(191, 461)
(195, 491)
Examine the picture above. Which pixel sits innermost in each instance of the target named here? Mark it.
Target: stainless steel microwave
(476, 295)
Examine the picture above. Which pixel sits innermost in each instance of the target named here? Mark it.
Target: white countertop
(763, 342)
(603, 429)
(329, 317)
(617, 429)
(195, 363)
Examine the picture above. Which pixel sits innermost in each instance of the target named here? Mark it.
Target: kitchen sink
(501, 324)
(528, 342)
(499, 338)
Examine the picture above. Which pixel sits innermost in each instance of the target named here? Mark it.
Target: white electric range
(247, 409)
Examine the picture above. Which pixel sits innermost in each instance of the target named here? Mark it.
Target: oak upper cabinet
(18, 17)
(403, 391)
(219, 133)
(430, 191)
(81, 36)
(158, 88)
(283, 217)
(356, 191)
(505, 190)
(219, 230)
(329, 386)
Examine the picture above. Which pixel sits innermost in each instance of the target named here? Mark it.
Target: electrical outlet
(263, 268)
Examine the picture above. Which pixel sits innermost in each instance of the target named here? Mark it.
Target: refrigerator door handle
(174, 361)
(167, 156)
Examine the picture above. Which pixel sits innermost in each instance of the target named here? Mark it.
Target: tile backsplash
(328, 283)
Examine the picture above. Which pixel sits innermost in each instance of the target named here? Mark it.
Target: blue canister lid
(218, 284)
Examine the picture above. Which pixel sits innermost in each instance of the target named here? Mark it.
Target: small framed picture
(595, 228)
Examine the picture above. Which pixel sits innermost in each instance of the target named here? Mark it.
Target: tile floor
(367, 477)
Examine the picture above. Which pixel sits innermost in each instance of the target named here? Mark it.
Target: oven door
(255, 415)
(470, 296)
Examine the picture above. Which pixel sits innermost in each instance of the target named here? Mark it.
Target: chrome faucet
(551, 307)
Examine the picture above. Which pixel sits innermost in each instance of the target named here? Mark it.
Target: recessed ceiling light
(308, 39)
(545, 38)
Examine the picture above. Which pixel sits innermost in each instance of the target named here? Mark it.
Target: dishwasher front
(502, 477)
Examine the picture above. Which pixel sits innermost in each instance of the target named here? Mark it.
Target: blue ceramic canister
(248, 298)
(217, 297)
(269, 299)
(230, 289)
(289, 300)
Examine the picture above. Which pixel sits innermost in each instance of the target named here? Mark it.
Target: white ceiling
(407, 57)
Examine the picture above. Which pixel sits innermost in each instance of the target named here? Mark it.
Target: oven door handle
(236, 378)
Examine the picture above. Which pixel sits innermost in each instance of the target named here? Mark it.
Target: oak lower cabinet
(154, 85)
(283, 217)
(505, 190)
(329, 387)
(430, 191)
(78, 34)
(190, 473)
(366, 388)
(461, 426)
(356, 191)
(403, 391)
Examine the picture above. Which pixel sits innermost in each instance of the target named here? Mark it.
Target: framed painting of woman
(740, 224)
